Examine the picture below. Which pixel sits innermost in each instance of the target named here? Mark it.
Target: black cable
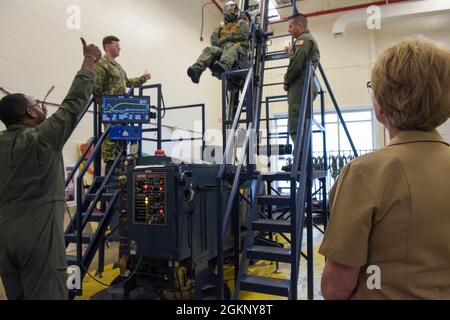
(179, 283)
(203, 19)
(163, 106)
(118, 284)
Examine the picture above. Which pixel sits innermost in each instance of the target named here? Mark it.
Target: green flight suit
(227, 42)
(32, 200)
(111, 80)
(305, 48)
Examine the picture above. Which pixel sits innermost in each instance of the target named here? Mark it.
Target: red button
(160, 153)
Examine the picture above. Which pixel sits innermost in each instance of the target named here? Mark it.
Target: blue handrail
(336, 107)
(301, 118)
(79, 186)
(83, 156)
(233, 129)
(224, 217)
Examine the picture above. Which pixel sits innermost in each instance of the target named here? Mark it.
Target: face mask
(229, 17)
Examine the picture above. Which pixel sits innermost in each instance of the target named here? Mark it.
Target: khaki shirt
(391, 208)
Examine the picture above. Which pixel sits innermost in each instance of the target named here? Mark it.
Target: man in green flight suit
(305, 48)
(32, 194)
(228, 41)
(111, 79)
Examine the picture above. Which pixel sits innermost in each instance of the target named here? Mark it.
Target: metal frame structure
(104, 189)
(264, 204)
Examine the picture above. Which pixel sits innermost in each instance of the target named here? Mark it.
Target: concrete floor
(264, 268)
(2, 292)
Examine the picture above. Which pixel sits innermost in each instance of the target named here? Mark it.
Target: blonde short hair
(411, 82)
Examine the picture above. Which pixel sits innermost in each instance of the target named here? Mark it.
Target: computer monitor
(125, 109)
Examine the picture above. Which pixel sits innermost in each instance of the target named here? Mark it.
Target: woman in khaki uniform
(389, 231)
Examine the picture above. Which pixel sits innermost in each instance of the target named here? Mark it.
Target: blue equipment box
(125, 133)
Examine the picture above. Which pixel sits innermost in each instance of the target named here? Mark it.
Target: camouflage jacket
(111, 79)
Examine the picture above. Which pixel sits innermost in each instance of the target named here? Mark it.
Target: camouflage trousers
(228, 55)
(110, 149)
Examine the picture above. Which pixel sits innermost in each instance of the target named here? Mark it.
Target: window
(360, 124)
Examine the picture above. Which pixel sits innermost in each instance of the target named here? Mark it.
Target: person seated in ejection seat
(229, 41)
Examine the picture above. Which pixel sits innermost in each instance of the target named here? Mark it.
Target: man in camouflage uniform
(227, 41)
(32, 247)
(111, 79)
(305, 48)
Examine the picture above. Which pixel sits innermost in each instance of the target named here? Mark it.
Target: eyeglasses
(369, 86)
(41, 104)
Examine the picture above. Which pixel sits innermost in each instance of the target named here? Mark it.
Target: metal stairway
(297, 205)
(270, 211)
(103, 190)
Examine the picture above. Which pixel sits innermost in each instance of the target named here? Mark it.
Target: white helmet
(230, 11)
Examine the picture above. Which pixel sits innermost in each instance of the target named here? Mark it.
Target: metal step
(103, 197)
(72, 260)
(95, 216)
(274, 200)
(276, 176)
(269, 253)
(279, 287)
(286, 176)
(112, 186)
(320, 174)
(231, 121)
(72, 237)
(272, 225)
(278, 55)
(99, 180)
(276, 149)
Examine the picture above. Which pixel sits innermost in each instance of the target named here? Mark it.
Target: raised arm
(57, 129)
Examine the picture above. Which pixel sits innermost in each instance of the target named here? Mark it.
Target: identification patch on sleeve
(299, 42)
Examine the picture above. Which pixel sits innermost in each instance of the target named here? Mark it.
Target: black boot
(220, 67)
(194, 74)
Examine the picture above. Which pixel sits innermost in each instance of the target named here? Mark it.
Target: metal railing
(252, 119)
(160, 108)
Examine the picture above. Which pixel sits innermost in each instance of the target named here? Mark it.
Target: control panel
(149, 198)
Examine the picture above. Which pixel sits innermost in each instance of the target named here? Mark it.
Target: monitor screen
(125, 109)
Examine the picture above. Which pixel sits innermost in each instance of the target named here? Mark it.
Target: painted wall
(163, 37)
(348, 60)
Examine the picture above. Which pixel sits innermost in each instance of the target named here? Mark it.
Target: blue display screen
(125, 109)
